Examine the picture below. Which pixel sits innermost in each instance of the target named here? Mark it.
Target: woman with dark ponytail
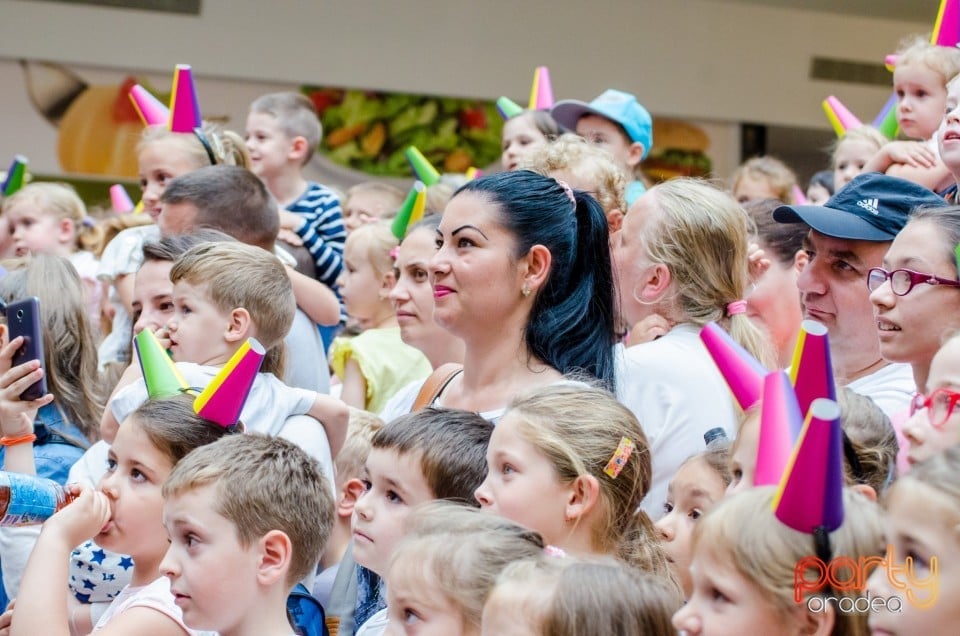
(522, 274)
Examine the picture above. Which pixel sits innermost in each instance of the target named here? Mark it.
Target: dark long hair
(571, 325)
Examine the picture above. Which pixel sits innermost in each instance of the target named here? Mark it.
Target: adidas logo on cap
(870, 205)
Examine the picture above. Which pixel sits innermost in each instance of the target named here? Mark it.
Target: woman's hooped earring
(526, 290)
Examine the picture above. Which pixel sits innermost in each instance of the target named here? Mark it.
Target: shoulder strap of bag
(435, 384)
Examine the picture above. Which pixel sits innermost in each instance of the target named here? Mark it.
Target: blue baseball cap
(872, 207)
(617, 106)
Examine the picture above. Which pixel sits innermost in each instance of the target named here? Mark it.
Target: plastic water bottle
(714, 435)
(28, 499)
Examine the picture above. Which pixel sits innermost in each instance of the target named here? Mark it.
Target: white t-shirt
(156, 596)
(375, 625)
(891, 388)
(676, 391)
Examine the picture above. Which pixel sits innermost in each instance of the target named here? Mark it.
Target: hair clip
(394, 253)
(88, 221)
(620, 457)
(568, 190)
(205, 141)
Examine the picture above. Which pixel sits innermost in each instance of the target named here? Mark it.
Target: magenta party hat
(223, 399)
(422, 168)
(16, 174)
(184, 105)
(812, 370)
(159, 373)
(120, 200)
(508, 108)
(473, 173)
(840, 116)
(151, 110)
(946, 28)
(411, 211)
(799, 198)
(890, 61)
(541, 92)
(780, 426)
(886, 119)
(744, 373)
(810, 495)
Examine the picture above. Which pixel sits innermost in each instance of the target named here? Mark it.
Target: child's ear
(388, 281)
(584, 495)
(352, 491)
(66, 229)
(275, 554)
(298, 148)
(818, 623)
(654, 283)
(614, 220)
(634, 156)
(240, 327)
(865, 490)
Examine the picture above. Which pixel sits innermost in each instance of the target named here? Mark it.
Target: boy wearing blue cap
(616, 122)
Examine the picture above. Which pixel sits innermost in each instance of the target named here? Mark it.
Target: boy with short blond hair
(282, 133)
(247, 518)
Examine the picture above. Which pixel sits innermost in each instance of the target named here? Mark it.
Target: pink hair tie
(737, 307)
(394, 253)
(566, 188)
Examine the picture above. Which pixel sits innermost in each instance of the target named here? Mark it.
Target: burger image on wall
(679, 150)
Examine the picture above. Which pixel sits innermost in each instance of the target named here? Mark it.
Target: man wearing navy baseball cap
(850, 234)
(619, 124)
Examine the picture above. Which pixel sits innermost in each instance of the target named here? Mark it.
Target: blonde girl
(49, 218)
(920, 83)
(161, 156)
(923, 514)
(445, 567)
(681, 259)
(586, 167)
(572, 463)
(853, 151)
(764, 178)
(744, 563)
(694, 490)
(123, 514)
(525, 134)
(376, 364)
(569, 597)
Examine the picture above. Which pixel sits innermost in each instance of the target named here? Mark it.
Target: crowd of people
(504, 418)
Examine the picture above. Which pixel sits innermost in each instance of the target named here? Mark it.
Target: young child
(567, 597)
(923, 513)
(572, 463)
(763, 178)
(616, 122)
(349, 487)
(248, 517)
(821, 187)
(223, 294)
(369, 202)
(744, 567)
(445, 567)
(919, 80)
(934, 423)
(852, 152)
(524, 135)
(872, 442)
(695, 489)
(948, 138)
(423, 456)
(49, 218)
(377, 363)
(124, 515)
(161, 156)
(282, 134)
(584, 166)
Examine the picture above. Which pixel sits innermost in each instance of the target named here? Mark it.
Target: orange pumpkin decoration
(97, 136)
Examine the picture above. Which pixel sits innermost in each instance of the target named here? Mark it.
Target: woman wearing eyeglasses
(916, 294)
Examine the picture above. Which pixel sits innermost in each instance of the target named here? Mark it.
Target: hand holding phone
(23, 319)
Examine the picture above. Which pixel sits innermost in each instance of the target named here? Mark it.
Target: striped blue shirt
(323, 233)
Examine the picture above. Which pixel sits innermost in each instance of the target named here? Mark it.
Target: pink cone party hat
(780, 426)
(184, 105)
(840, 116)
(541, 92)
(120, 200)
(223, 399)
(811, 370)
(946, 28)
(743, 373)
(159, 373)
(151, 110)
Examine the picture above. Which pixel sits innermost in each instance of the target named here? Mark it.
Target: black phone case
(23, 319)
